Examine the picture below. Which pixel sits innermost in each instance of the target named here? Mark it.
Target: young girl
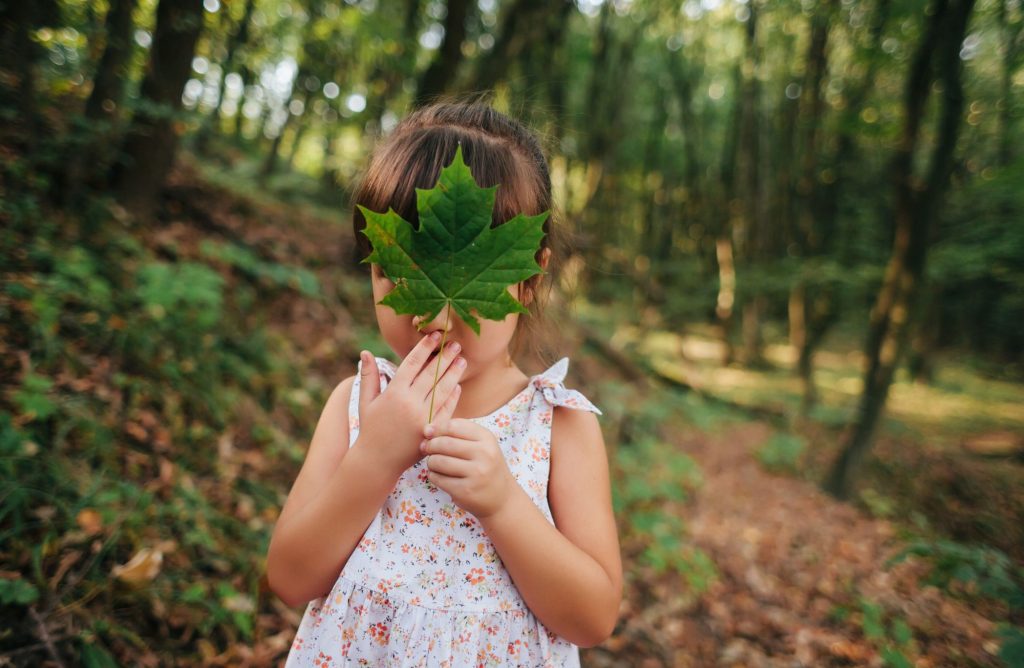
(485, 538)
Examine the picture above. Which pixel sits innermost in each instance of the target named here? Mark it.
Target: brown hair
(497, 149)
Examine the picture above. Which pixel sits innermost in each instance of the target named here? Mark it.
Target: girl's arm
(569, 573)
(340, 489)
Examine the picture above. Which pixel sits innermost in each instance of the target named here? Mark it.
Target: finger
(450, 377)
(424, 382)
(453, 467)
(417, 357)
(444, 482)
(455, 427)
(369, 380)
(444, 413)
(450, 447)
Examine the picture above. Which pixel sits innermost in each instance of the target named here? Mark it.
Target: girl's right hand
(393, 421)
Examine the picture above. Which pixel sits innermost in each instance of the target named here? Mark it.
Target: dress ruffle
(550, 383)
(354, 621)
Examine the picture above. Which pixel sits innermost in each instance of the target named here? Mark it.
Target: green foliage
(1011, 647)
(878, 504)
(977, 267)
(455, 258)
(782, 452)
(654, 480)
(986, 571)
(135, 363)
(93, 656)
(267, 273)
(895, 640)
(981, 571)
(17, 592)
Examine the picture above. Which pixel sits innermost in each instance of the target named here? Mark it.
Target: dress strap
(554, 391)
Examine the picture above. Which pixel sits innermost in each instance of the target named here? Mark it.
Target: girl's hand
(393, 421)
(464, 460)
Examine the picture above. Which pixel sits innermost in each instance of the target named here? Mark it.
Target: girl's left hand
(463, 459)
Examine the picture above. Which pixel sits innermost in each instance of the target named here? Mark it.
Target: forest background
(792, 273)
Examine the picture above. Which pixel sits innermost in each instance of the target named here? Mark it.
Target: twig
(44, 636)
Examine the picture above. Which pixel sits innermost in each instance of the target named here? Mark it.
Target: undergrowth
(143, 405)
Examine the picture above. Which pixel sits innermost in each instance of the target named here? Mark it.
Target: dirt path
(795, 568)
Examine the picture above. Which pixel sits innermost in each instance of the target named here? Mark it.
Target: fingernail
(435, 336)
(458, 388)
(428, 431)
(364, 356)
(461, 361)
(423, 446)
(454, 348)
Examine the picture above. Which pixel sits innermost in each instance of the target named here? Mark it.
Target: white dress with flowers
(425, 587)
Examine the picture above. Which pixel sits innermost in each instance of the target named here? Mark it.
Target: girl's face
(402, 334)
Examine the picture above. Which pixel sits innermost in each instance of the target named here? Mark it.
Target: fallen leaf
(141, 568)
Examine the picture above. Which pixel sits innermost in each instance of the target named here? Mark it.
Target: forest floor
(803, 580)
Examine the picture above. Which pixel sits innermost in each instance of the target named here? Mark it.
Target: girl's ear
(529, 286)
(545, 256)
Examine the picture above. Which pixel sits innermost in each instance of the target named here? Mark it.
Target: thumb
(369, 380)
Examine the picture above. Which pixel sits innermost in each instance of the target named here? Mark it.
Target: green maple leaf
(455, 259)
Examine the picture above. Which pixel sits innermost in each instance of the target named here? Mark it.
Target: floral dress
(425, 587)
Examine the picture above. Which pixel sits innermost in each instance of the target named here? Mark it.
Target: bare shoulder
(575, 429)
(579, 459)
(341, 394)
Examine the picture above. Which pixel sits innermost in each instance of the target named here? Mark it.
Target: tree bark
(749, 234)
(916, 206)
(807, 236)
(439, 76)
(152, 139)
(108, 84)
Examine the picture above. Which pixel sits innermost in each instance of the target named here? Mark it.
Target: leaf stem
(437, 369)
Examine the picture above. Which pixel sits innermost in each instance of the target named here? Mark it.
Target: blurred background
(793, 279)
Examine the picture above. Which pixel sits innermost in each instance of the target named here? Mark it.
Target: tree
(151, 141)
(108, 84)
(438, 77)
(916, 205)
(236, 42)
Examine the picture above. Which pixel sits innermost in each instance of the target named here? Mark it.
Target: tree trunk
(439, 76)
(726, 301)
(821, 307)
(1012, 34)
(685, 77)
(748, 227)
(915, 209)
(152, 139)
(237, 41)
(18, 56)
(522, 26)
(807, 235)
(389, 73)
(108, 84)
